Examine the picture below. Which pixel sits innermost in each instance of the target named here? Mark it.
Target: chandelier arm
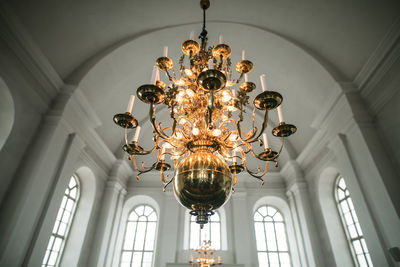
(144, 170)
(167, 183)
(263, 126)
(153, 122)
(254, 174)
(239, 129)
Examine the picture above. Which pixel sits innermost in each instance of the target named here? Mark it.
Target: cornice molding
(380, 61)
(20, 42)
(378, 65)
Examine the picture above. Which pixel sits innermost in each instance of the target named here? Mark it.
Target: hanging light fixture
(206, 116)
(205, 256)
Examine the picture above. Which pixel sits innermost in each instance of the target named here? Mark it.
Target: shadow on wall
(7, 112)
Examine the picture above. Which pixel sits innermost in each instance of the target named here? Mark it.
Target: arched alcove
(336, 236)
(77, 234)
(7, 112)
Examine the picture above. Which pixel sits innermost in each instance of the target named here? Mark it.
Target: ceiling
(109, 47)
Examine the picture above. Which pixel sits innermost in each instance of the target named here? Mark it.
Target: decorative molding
(380, 61)
(17, 38)
(378, 65)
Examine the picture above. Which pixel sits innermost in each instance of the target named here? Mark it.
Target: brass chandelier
(205, 256)
(206, 115)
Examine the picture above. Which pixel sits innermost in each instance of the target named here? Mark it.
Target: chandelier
(206, 124)
(205, 256)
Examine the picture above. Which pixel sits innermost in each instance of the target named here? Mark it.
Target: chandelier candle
(263, 82)
(280, 114)
(136, 137)
(165, 51)
(206, 99)
(265, 140)
(130, 104)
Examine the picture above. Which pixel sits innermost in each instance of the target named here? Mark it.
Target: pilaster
(307, 238)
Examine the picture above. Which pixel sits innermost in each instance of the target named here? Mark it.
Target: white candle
(136, 137)
(220, 39)
(246, 77)
(191, 35)
(165, 51)
(210, 64)
(280, 114)
(265, 139)
(263, 82)
(154, 75)
(243, 54)
(234, 156)
(130, 104)
(157, 75)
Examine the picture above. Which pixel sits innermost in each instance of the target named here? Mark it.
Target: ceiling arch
(302, 80)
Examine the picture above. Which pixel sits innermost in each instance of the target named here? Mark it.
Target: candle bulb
(280, 114)
(219, 260)
(191, 35)
(154, 75)
(246, 77)
(165, 51)
(263, 82)
(220, 39)
(130, 104)
(265, 140)
(136, 137)
(243, 54)
(210, 64)
(234, 156)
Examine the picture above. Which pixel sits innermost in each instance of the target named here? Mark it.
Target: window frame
(288, 251)
(145, 235)
(209, 224)
(360, 236)
(64, 238)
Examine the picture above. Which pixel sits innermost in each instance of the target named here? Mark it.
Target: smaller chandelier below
(205, 256)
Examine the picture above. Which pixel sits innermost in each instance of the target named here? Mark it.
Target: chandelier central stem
(205, 4)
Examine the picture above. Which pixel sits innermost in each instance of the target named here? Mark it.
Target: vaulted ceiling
(109, 47)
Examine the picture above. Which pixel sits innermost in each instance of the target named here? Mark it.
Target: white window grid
(62, 224)
(271, 238)
(210, 232)
(140, 234)
(352, 225)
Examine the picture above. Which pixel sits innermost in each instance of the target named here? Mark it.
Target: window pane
(260, 236)
(351, 225)
(130, 235)
(61, 225)
(194, 235)
(140, 235)
(262, 259)
(281, 237)
(270, 232)
(137, 259)
(150, 235)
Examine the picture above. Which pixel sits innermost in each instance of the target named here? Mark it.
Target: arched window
(63, 222)
(351, 224)
(140, 235)
(211, 231)
(272, 246)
